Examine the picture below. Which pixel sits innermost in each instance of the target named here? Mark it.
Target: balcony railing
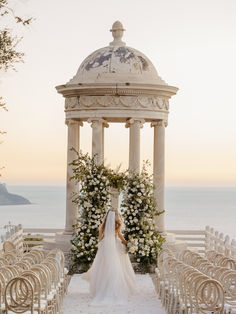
(201, 240)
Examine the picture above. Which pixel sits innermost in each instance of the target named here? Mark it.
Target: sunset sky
(192, 44)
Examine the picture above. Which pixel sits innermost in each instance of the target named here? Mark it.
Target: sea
(186, 208)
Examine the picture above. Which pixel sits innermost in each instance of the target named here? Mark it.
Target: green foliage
(8, 53)
(8, 42)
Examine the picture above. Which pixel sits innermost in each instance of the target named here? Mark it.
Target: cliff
(7, 198)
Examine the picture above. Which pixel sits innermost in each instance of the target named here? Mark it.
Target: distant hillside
(7, 198)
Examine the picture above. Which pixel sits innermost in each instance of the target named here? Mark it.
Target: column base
(67, 232)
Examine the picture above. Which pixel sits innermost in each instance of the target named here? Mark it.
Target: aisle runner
(145, 301)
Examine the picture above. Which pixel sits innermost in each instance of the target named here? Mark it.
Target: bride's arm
(100, 234)
(121, 237)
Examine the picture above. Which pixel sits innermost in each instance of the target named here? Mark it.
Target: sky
(192, 44)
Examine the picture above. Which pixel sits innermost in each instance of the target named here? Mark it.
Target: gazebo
(116, 84)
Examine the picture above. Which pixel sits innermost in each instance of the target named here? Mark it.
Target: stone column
(159, 170)
(98, 138)
(134, 143)
(72, 142)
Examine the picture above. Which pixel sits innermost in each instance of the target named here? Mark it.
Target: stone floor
(145, 301)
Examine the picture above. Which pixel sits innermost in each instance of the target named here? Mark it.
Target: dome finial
(117, 33)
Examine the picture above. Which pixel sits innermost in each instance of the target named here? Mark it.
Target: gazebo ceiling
(116, 78)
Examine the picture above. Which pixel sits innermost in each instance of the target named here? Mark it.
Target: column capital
(94, 121)
(73, 121)
(133, 120)
(159, 123)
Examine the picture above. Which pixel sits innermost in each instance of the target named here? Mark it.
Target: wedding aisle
(145, 301)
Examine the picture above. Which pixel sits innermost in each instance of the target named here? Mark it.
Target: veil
(109, 231)
(109, 239)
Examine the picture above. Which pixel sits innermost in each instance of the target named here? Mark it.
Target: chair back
(8, 246)
(19, 296)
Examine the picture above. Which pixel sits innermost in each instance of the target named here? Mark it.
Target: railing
(220, 243)
(37, 237)
(205, 240)
(201, 240)
(194, 238)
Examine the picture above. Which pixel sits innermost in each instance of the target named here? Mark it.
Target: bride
(111, 276)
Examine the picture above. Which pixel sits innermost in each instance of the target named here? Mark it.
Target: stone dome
(117, 63)
(116, 83)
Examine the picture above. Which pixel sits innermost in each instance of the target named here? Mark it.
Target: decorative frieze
(131, 102)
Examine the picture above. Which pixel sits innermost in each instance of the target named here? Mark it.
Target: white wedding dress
(111, 276)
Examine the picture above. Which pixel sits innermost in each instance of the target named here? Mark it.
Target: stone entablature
(117, 107)
(135, 102)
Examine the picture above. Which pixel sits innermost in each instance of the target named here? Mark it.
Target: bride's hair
(118, 223)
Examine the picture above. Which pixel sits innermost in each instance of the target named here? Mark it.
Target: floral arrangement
(139, 211)
(93, 201)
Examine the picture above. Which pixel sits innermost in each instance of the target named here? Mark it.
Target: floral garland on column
(139, 210)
